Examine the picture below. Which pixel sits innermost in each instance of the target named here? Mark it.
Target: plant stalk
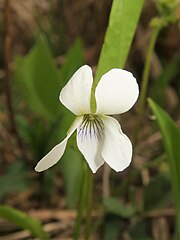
(82, 200)
(89, 191)
(145, 79)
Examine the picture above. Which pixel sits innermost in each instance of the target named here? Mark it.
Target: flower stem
(82, 198)
(89, 178)
(145, 78)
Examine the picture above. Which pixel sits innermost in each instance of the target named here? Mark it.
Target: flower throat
(92, 126)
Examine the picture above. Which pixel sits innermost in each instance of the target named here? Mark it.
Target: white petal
(91, 147)
(116, 92)
(56, 153)
(76, 94)
(117, 148)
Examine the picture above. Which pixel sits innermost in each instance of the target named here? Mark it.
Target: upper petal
(77, 92)
(117, 148)
(90, 144)
(116, 92)
(56, 153)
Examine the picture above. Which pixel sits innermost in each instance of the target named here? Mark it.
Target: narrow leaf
(158, 89)
(23, 221)
(122, 24)
(72, 170)
(171, 139)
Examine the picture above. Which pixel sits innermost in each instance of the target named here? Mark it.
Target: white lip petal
(91, 147)
(116, 92)
(77, 92)
(57, 152)
(117, 148)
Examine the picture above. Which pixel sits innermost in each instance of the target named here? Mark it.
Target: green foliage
(157, 194)
(41, 80)
(73, 60)
(38, 76)
(111, 229)
(112, 205)
(72, 170)
(122, 24)
(36, 136)
(23, 221)
(141, 230)
(41, 83)
(171, 139)
(15, 179)
(159, 87)
(167, 9)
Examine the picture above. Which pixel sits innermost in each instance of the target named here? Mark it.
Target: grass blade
(122, 24)
(171, 140)
(23, 221)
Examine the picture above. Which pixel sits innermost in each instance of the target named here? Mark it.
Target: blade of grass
(122, 25)
(171, 139)
(24, 221)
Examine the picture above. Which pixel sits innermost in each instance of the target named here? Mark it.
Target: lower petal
(52, 157)
(57, 152)
(117, 148)
(90, 146)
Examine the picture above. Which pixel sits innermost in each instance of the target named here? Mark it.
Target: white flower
(99, 137)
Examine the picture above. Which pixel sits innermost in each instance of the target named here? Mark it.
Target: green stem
(82, 198)
(145, 78)
(89, 191)
(93, 99)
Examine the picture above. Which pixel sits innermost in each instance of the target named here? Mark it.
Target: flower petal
(76, 94)
(91, 147)
(116, 92)
(56, 153)
(117, 148)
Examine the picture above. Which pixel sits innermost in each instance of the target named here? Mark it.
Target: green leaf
(171, 139)
(14, 180)
(40, 79)
(141, 230)
(122, 24)
(73, 60)
(112, 205)
(157, 194)
(72, 170)
(23, 221)
(159, 86)
(38, 76)
(111, 229)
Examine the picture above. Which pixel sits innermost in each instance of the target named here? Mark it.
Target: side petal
(57, 152)
(91, 148)
(117, 148)
(77, 92)
(116, 92)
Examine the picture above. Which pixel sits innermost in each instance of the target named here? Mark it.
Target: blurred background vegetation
(42, 43)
